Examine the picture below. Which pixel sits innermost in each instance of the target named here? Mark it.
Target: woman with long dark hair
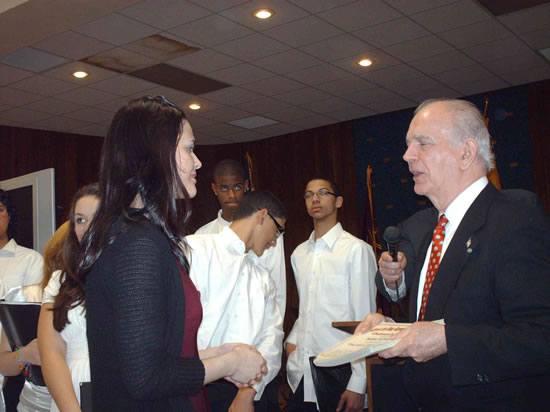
(142, 309)
(62, 324)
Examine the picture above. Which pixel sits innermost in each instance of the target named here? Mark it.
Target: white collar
(9, 248)
(328, 238)
(460, 205)
(221, 220)
(233, 243)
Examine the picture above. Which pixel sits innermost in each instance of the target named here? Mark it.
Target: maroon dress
(193, 319)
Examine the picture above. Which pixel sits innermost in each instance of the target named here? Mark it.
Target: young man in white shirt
(238, 296)
(334, 273)
(229, 186)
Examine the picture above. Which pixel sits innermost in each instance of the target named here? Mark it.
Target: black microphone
(392, 235)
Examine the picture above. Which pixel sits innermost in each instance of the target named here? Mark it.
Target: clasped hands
(251, 366)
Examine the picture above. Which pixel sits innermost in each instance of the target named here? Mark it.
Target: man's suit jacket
(493, 291)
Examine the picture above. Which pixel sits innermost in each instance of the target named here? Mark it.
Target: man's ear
(213, 186)
(339, 202)
(469, 153)
(260, 216)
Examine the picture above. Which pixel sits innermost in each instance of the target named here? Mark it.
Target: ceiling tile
(301, 96)
(114, 105)
(263, 105)
(416, 6)
(355, 112)
(242, 73)
(392, 74)
(278, 129)
(86, 96)
(164, 14)
(211, 30)
(108, 29)
(442, 62)
(527, 75)
(311, 122)
(53, 106)
(518, 62)
(284, 12)
(539, 39)
(338, 47)
(365, 97)
(92, 130)
(245, 136)
(120, 60)
(345, 85)
(253, 122)
(319, 5)
(90, 114)
(480, 86)
(59, 123)
(433, 93)
(418, 48)
(162, 46)
(219, 5)
(457, 78)
(461, 13)
(289, 113)
(72, 45)
(407, 87)
(33, 60)
(16, 97)
(318, 74)
(251, 47)
(221, 130)
(4, 107)
(476, 33)
(391, 32)
(232, 95)
(327, 106)
(10, 74)
(224, 114)
(43, 85)
(351, 17)
(381, 60)
(4, 122)
(304, 31)
(287, 61)
(524, 21)
(176, 96)
(273, 85)
(65, 73)
(391, 105)
(494, 50)
(123, 85)
(23, 115)
(204, 61)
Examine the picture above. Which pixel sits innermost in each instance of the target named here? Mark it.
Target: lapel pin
(468, 244)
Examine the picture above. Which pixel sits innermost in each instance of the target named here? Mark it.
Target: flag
(493, 174)
(369, 231)
(249, 172)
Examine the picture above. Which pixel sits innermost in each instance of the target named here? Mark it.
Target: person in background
(479, 260)
(142, 309)
(62, 326)
(334, 273)
(238, 296)
(19, 266)
(229, 186)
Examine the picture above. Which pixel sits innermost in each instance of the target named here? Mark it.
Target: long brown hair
(71, 292)
(53, 252)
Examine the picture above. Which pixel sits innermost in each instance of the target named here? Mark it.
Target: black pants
(221, 394)
(296, 401)
(12, 389)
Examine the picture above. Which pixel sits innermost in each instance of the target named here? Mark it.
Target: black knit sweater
(135, 309)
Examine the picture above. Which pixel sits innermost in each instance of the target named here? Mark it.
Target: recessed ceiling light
(194, 106)
(365, 62)
(264, 14)
(80, 74)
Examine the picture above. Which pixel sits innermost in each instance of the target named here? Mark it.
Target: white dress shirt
(19, 266)
(237, 297)
(335, 279)
(273, 259)
(454, 213)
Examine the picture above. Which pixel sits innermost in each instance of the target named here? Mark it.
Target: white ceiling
(297, 68)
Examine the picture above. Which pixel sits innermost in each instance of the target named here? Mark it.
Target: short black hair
(257, 200)
(331, 182)
(6, 201)
(228, 167)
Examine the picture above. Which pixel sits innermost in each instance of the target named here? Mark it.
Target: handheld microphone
(392, 235)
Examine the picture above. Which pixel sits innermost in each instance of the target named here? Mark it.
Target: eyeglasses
(280, 229)
(3, 211)
(236, 187)
(321, 193)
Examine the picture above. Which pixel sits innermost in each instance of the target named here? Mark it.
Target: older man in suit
(484, 270)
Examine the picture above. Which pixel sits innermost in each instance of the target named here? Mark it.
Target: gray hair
(468, 122)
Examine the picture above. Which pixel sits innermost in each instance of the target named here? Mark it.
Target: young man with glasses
(229, 186)
(239, 297)
(334, 273)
